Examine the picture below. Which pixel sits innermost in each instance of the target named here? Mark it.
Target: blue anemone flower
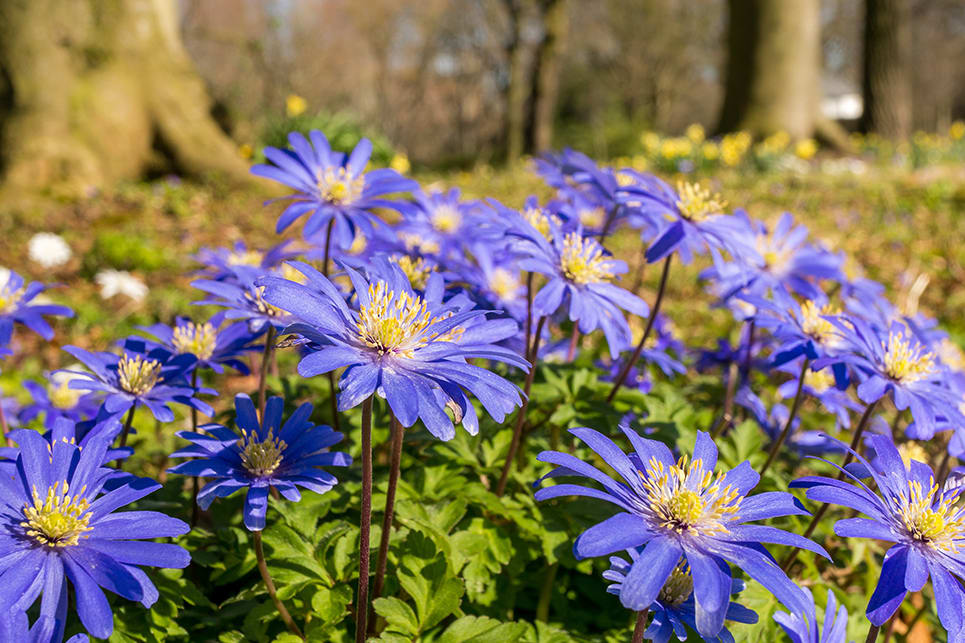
(579, 273)
(212, 346)
(803, 628)
(243, 300)
(674, 610)
(224, 263)
(689, 220)
(15, 307)
(57, 399)
(266, 454)
(331, 186)
(413, 349)
(15, 626)
(675, 509)
(894, 361)
(911, 510)
(58, 527)
(137, 377)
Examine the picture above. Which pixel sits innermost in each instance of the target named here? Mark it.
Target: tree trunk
(546, 76)
(101, 90)
(887, 81)
(517, 92)
(773, 67)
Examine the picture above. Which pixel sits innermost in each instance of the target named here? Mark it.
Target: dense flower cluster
(429, 310)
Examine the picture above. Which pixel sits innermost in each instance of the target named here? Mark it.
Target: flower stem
(641, 625)
(328, 245)
(574, 340)
(195, 482)
(944, 468)
(855, 441)
(362, 603)
(3, 423)
(395, 461)
(270, 586)
(127, 425)
(546, 593)
(727, 418)
(263, 374)
(529, 313)
(798, 396)
(646, 333)
(872, 634)
(521, 415)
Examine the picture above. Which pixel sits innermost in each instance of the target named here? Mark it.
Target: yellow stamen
(338, 187)
(138, 375)
(775, 257)
(592, 217)
(582, 260)
(246, 258)
(397, 323)
(504, 283)
(678, 587)
(446, 218)
(819, 381)
(261, 457)
(257, 299)
(940, 527)
(686, 498)
(818, 328)
(57, 520)
(907, 362)
(542, 221)
(696, 203)
(196, 339)
(417, 270)
(416, 243)
(912, 451)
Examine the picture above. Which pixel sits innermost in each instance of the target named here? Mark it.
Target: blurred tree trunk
(773, 67)
(887, 81)
(517, 91)
(100, 90)
(554, 16)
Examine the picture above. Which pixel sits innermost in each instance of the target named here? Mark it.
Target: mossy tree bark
(92, 91)
(773, 67)
(886, 75)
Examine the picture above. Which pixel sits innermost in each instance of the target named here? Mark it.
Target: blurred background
(93, 91)
(127, 128)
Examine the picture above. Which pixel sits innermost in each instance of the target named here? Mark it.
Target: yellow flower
(246, 151)
(695, 132)
(400, 163)
(806, 149)
(295, 105)
(710, 150)
(651, 141)
(957, 130)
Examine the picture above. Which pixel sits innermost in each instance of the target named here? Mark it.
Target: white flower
(120, 282)
(48, 249)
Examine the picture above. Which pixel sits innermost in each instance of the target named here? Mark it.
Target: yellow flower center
(819, 381)
(907, 362)
(678, 587)
(951, 355)
(592, 217)
(9, 298)
(138, 375)
(775, 257)
(292, 274)
(417, 270)
(504, 283)
(246, 258)
(257, 299)
(196, 339)
(62, 396)
(446, 218)
(542, 221)
(582, 260)
(397, 324)
(941, 527)
(911, 451)
(696, 203)
(337, 186)
(57, 520)
(416, 243)
(261, 457)
(816, 327)
(359, 242)
(685, 498)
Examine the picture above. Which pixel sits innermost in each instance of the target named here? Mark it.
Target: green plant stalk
(798, 396)
(365, 527)
(621, 378)
(127, 425)
(270, 586)
(521, 415)
(395, 462)
(333, 401)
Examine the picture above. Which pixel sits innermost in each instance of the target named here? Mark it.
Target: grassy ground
(900, 226)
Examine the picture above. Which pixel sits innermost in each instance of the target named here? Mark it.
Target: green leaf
(397, 614)
(482, 629)
(331, 605)
(445, 600)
